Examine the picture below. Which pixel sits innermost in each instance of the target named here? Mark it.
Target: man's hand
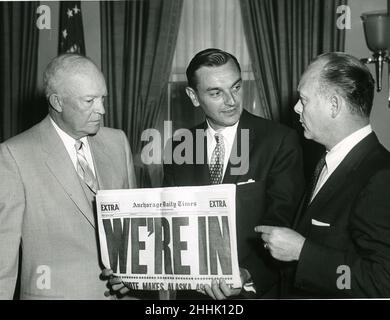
(115, 284)
(283, 244)
(219, 290)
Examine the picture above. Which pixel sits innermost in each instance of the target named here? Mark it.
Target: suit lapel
(201, 171)
(338, 179)
(335, 183)
(106, 177)
(62, 168)
(202, 174)
(237, 148)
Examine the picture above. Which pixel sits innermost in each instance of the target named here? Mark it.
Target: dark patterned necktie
(316, 175)
(83, 168)
(217, 159)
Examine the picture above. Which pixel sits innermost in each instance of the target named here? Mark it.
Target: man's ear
(192, 95)
(335, 107)
(55, 102)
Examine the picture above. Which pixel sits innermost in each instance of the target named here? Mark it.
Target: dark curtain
(18, 67)
(138, 43)
(283, 36)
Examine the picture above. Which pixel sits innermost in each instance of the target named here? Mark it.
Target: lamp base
(378, 58)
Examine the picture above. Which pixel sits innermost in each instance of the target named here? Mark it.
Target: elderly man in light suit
(49, 177)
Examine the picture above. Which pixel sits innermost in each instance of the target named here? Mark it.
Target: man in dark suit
(261, 157)
(341, 246)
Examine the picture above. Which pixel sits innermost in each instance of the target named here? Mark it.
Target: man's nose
(298, 107)
(229, 99)
(99, 107)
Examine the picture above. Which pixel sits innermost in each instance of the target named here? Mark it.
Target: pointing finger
(264, 229)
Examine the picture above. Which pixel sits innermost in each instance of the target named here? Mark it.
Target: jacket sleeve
(284, 190)
(364, 269)
(12, 206)
(129, 162)
(286, 182)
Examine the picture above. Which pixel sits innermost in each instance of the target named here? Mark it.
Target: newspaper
(178, 238)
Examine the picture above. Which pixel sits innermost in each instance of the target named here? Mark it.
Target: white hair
(68, 63)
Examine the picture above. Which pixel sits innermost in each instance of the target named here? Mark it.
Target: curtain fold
(18, 67)
(283, 36)
(138, 43)
(205, 24)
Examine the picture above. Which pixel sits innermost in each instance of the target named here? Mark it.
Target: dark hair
(349, 77)
(209, 58)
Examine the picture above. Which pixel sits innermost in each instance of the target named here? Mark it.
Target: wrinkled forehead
(223, 74)
(84, 81)
(85, 77)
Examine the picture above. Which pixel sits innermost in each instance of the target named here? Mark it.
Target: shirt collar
(66, 138)
(228, 133)
(339, 151)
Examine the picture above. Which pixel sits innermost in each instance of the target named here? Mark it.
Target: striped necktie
(217, 159)
(83, 168)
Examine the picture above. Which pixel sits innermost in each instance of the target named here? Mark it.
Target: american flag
(71, 33)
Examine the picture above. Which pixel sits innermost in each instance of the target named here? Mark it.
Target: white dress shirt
(337, 154)
(69, 145)
(228, 134)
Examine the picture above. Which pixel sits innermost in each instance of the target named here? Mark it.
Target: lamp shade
(377, 30)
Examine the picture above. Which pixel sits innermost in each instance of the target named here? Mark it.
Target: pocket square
(245, 182)
(319, 223)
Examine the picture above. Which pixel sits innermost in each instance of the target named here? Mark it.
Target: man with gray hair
(341, 246)
(49, 178)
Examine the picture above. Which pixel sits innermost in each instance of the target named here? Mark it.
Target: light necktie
(217, 159)
(83, 168)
